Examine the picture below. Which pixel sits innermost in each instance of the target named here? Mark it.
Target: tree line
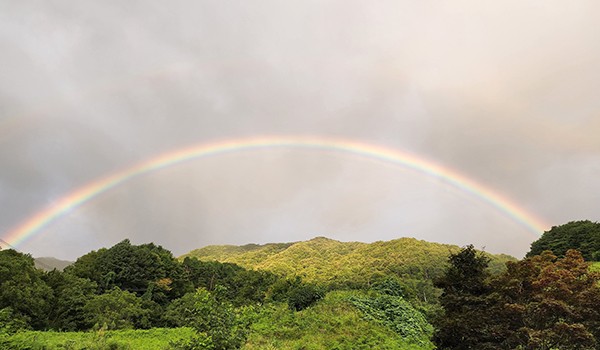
(140, 287)
(549, 300)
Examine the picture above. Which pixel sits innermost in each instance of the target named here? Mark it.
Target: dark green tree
(146, 269)
(250, 286)
(69, 296)
(583, 236)
(542, 303)
(298, 294)
(464, 300)
(304, 295)
(86, 266)
(208, 274)
(22, 289)
(241, 286)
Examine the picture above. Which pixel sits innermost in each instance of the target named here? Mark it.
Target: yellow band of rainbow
(84, 194)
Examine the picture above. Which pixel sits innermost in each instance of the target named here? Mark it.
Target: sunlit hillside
(338, 263)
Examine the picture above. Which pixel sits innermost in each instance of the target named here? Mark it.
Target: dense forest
(317, 294)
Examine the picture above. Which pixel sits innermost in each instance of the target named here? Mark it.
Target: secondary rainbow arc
(64, 205)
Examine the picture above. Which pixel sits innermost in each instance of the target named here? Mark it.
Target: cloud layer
(503, 92)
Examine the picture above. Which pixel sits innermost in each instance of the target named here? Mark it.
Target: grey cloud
(502, 92)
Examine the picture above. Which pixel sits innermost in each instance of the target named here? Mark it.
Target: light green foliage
(395, 313)
(595, 267)
(117, 309)
(332, 323)
(245, 255)
(345, 264)
(153, 339)
(202, 311)
(421, 293)
(200, 341)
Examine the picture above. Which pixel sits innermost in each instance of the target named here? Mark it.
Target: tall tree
(464, 300)
(22, 289)
(70, 295)
(144, 270)
(540, 303)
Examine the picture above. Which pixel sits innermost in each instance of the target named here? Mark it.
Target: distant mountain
(326, 260)
(49, 264)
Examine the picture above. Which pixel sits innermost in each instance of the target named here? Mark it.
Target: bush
(207, 315)
(156, 338)
(395, 313)
(302, 296)
(116, 309)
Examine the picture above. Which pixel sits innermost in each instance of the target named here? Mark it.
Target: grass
(151, 339)
(332, 323)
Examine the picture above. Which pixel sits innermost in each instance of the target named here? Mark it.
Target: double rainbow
(64, 205)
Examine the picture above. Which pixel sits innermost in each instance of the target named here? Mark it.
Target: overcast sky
(503, 92)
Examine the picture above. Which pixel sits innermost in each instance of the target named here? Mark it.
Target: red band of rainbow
(84, 194)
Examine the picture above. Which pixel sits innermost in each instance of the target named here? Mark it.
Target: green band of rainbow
(76, 198)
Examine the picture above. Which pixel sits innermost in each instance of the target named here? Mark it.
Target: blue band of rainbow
(64, 205)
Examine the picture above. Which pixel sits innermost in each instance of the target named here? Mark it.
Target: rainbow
(86, 193)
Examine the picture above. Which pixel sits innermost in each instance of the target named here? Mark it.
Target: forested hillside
(317, 294)
(337, 263)
(203, 304)
(542, 302)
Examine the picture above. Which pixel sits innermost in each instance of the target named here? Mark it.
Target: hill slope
(332, 323)
(49, 263)
(341, 263)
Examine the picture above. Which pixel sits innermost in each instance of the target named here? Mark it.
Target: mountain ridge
(323, 259)
(47, 263)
